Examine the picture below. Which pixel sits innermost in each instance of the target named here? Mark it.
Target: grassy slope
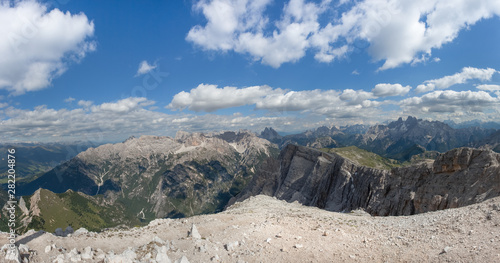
(364, 157)
(74, 209)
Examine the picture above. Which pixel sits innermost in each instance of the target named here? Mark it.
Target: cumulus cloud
(330, 103)
(488, 87)
(449, 101)
(467, 73)
(124, 105)
(210, 98)
(396, 32)
(298, 100)
(38, 45)
(144, 68)
(85, 103)
(385, 90)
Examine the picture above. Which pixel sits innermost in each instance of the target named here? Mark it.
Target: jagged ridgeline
(459, 177)
(399, 140)
(145, 178)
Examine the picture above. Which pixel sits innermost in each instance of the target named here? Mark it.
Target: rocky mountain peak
(129, 139)
(410, 122)
(270, 134)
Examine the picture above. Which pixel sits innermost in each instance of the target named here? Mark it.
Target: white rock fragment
(128, 256)
(23, 249)
(48, 249)
(74, 255)
(13, 255)
(183, 259)
(158, 240)
(80, 231)
(161, 256)
(194, 232)
(446, 250)
(87, 253)
(298, 246)
(268, 240)
(59, 259)
(232, 245)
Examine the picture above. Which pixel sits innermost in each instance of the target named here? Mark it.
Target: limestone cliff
(457, 178)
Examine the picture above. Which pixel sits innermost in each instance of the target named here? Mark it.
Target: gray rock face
(457, 178)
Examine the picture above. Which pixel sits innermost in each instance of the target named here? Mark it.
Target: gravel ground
(263, 229)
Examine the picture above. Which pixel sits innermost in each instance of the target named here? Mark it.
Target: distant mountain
(155, 177)
(271, 135)
(404, 138)
(473, 123)
(354, 129)
(491, 142)
(35, 158)
(398, 140)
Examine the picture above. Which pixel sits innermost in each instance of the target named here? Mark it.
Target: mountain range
(398, 140)
(151, 177)
(390, 169)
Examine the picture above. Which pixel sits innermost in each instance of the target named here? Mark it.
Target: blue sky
(105, 70)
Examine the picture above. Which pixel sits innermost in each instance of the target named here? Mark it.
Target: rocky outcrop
(457, 178)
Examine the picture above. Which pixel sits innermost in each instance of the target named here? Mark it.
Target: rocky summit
(456, 178)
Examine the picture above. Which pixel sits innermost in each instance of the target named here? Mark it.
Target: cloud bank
(396, 32)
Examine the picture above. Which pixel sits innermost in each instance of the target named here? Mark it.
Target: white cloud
(69, 100)
(123, 106)
(385, 90)
(398, 32)
(354, 97)
(298, 100)
(467, 73)
(38, 45)
(330, 103)
(211, 98)
(144, 68)
(488, 87)
(113, 121)
(449, 101)
(85, 103)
